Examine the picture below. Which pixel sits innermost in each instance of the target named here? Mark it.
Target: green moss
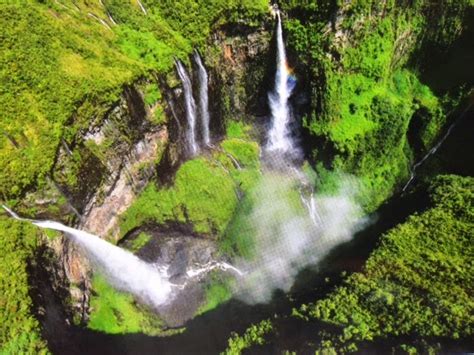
(237, 129)
(117, 313)
(61, 65)
(365, 96)
(139, 242)
(152, 94)
(217, 292)
(19, 329)
(246, 153)
(203, 194)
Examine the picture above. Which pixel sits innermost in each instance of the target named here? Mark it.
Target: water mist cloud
(287, 239)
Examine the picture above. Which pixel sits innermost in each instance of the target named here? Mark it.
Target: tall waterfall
(190, 108)
(290, 235)
(149, 282)
(203, 98)
(123, 269)
(279, 135)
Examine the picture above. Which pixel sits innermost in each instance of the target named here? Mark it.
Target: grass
(115, 312)
(19, 329)
(203, 194)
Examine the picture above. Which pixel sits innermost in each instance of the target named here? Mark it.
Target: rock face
(98, 175)
(238, 66)
(180, 249)
(95, 179)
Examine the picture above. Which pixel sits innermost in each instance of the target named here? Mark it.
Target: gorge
(238, 177)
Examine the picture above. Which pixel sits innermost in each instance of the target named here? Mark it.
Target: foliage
(19, 330)
(203, 194)
(254, 335)
(53, 64)
(139, 242)
(365, 99)
(237, 129)
(218, 291)
(418, 281)
(117, 313)
(64, 64)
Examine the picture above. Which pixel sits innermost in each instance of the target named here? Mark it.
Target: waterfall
(279, 136)
(142, 7)
(123, 269)
(150, 283)
(190, 108)
(203, 98)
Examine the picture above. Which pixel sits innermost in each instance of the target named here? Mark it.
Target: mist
(286, 238)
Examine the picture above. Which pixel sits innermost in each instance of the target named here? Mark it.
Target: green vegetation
(366, 100)
(19, 330)
(116, 312)
(62, 68)
(237, 129)
(53, 65)
(254, 335)
(218, 291)
(203, 194)
(139, 242)
(417, 282)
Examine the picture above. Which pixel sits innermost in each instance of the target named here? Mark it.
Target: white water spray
(279, 136)
(142, 7)
(203, 98)
(149, 282)
(123, 270)
(190, 108)
(292, 228)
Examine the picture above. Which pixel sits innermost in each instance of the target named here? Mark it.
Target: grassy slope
(204, 192)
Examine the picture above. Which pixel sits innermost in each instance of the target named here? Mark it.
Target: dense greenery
(418, 281)
(63, 66)
(205, 191)
(254, 335)
(203, 194)
(116, 312)
(19, 330)
(415, 289)
(54, 63)
(366, 101)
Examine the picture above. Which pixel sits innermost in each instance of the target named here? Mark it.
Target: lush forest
(379, 83)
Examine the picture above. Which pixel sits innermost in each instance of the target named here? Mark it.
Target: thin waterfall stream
(190, 106)
(203, 99)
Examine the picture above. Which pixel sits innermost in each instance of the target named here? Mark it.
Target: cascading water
(203, 99)
(190, 108)
(279, 136)
(291, 227)
(149, 282)
(142, 7)
(123, 269)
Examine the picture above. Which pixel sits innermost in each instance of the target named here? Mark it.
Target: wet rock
(181, 252)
